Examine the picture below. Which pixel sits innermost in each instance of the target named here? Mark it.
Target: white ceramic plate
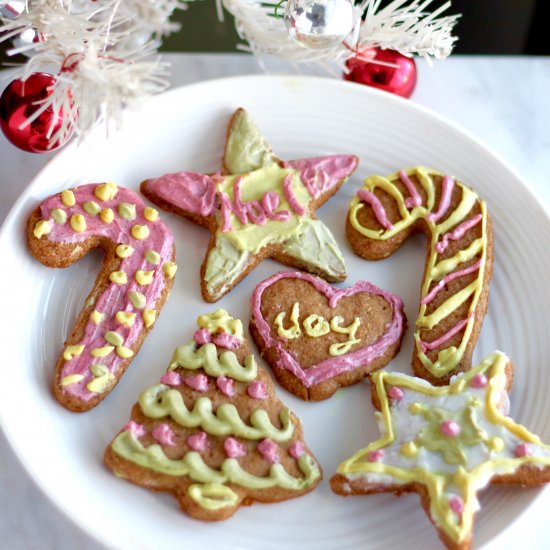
(185, 130)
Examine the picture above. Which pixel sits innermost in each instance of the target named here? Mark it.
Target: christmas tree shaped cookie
(446, 444)
(257, 207)
(212, 432)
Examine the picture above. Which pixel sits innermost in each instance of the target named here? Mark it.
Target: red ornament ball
(18, 102)
(399, 79)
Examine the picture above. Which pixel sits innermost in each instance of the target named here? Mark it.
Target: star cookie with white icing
(257, 207)
(446, 444)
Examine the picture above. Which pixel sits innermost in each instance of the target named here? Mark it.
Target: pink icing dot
(198, 442)
(135, 429)
(197, 382)
(202, 336)
(234, 448)
(164, 434)
(269, 450)
(296, 450)
(478, 381)
(523, 450)
(456, 504)
(396, 393)
(449, 428)
(226, 385)
(257, 390)
(375, 456)
(224, 340)
(171, 379)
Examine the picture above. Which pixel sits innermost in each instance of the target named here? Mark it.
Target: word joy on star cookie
(257, 207)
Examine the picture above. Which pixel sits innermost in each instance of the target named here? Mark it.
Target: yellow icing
(149, 316)
(124, 250)
(409, 449)
(106, 191)
(102, 381)
(316, 325)
(114, 338)
(71, 351)
(169, 269)
(137, 298)
(68, 198)
(71, 379)
(220, 320)
(294, 330)
(118, 277)
(107, 215)
(124, 352)
(140, 232)
(78, 223)
(150, 214)
(102, 352)
(42, 228)
(125, 318)
(144, 278)
(97, 317)
(212, 496)
(350, 330)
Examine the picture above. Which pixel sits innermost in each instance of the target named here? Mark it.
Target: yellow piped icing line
(451, 439)
(438, 272)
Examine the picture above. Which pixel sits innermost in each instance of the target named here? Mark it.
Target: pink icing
(427, 346)
(257, 390)
(202, 336)
(234, 448)
(375, 456)
(227, 341)
(447, 279)
(115, 297)
(456, 504)
(457, 233)
(449, 428)
(479, 381)
(197, 382)
(198, 442)
(415, 199)
(269, 450)
(236, 206)
(444, 201)
(377, 207)
(136, 429)
(164, 435)
(523, 450)
(171, 378)
(291, 197)
(334, 365)
(226, 385)
(270, 201)
(296, 450)
(396, 393)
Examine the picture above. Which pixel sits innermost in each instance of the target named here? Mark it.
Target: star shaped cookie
(446, 444)
(257, 206)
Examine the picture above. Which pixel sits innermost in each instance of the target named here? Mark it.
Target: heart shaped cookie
(317, 338)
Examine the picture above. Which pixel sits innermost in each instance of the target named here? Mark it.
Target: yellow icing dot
(118, 277)
(71, 351)
(149, 317)
(137, 298)
(102, 352)
(59, 215)
(103, 379)
(78, 223)
(127, 211)
(416, 407)
(68, 198)
(114, 338)
(409, 449)
(496, 444)
(71, 379)
(144, 277)
(123, 352)
(107, 215)
(150, 214)
(169, 269)
(140, 232)
(106, 191)
(42, 228)
(124, 250)
(152, 257)
(96, 317)
(92, 208)
(125, 318)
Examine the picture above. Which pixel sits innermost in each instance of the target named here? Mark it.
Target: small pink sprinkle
(234, 448)
(197, 382)
(296, 450)
(164, 434)
(202, 336)
(375, 456)
(269, 450)
(478, 381)
(198, 442)
(449, 428)
(171, 378)
(257, 390)
(135, 429)
(226, 385)
(224, 340)
(457, 505)
(523, 450)
(396, 393)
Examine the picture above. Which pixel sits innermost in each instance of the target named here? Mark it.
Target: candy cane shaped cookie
(131, 288)
(459, 263)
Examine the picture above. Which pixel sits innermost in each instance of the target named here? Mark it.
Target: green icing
(92, 208)
(206, 357)
(114, 338)
(159, 401)
(59, 215)
(127, 211)
(152, 257)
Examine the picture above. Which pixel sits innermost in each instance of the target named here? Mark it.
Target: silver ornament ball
(319, 24)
